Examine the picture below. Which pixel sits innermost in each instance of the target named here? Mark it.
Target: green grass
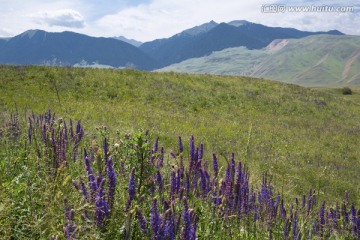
(274, 127)
(304, 138)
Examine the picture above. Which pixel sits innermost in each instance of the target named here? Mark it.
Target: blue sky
(146, 20)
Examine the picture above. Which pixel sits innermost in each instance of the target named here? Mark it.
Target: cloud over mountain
(64, 18)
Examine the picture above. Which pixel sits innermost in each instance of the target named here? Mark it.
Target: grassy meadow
(290, 138)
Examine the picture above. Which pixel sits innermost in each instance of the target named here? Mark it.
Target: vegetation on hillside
(100, 177)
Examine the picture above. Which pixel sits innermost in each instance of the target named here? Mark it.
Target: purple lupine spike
(286, 229)
(181, 148)
(111, 182)
(201, 151)
(232, 165)
(70, 225)
(187, 183)
(169, 229)
(142, 221)
(84, 189)
(155, 221)
(178, 180)
(156, 144)
(66, 133)
(358, 227)
(282, 209)
(215, 165)
(71, 129)
(203, 183)
(131, 188)
(277, 204)
(159, 181)
(208, 181)
(303, 202)
(90, 173)
(353, 220)
(172, 184)
(194, 218)
(333, 215)
(192, 152)
(228, 184)
(295, 227)
(345, 214)
(76, 185)
(160, 159)
(186, 229)
(322, 218)
(173, 154)
(122, 168)
(102, 209)
(245, 197)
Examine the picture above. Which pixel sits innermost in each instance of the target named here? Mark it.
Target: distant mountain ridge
(130, 41)
(69, 48)
(209, 37)
(319, 60)
(74, 49)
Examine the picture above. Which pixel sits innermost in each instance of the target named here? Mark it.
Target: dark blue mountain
(68, 48)
(211, 37)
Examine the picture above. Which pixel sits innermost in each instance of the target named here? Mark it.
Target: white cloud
(63, 18)
(150, 19)
(163, 18)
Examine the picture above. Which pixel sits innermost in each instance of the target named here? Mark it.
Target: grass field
(303, 138)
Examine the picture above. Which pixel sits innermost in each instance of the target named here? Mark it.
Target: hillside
(305, 138)
(321, 60)
(209, 37)
(68, 48)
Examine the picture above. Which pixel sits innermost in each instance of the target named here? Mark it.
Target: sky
(146, 20)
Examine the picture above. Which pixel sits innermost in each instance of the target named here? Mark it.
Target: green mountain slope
(322, 60)
(305, 138)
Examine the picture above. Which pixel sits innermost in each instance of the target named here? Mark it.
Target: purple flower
(90, 174)
(172, 184)
(142, 221)
(215, 165)
(286, 228)
(169, 225)
(111, 182)
(155, 221)
(181, 148)
(228, 184)
(70, 225)
(192, 152)
(322, 218)
(131, 188)
(295, 227)
(159, 181)
(84, 189)
(203, 185)
(201, 151)
(186, 231)
(156, 144)
(102, 209)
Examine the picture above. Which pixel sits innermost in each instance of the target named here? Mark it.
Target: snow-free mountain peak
(198, 29)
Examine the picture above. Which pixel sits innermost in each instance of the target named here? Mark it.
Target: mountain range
(69, 48)
(319, 60)
(209, 37)
(234, 48)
